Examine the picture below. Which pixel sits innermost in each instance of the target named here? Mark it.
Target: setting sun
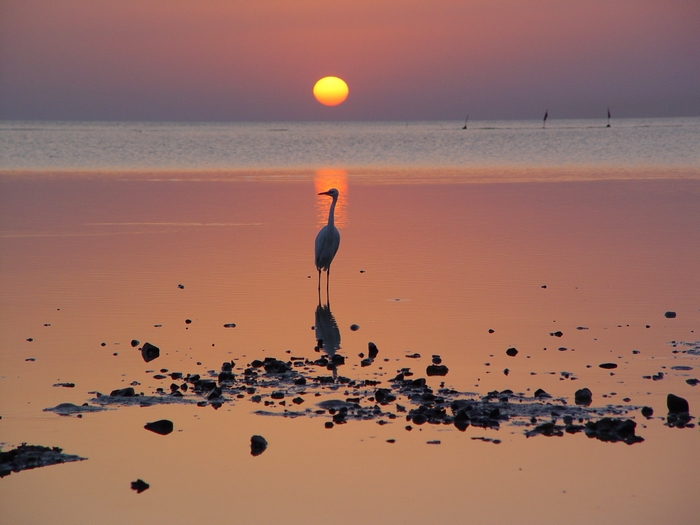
(331, 91)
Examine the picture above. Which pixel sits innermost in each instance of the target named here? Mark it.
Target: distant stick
(465, 121)
(608, 118)
(544, 121)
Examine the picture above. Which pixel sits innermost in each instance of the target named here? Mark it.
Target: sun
(331, 91)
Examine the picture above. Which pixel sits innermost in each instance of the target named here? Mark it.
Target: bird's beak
(324, 193)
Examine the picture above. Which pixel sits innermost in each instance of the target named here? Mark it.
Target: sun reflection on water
(325, 179)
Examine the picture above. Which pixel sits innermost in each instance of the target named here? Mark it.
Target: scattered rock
(139, 486)
(372, 350)
(69, 409)
(676, 405)
(670, 315)
(512, 352)
(123, 392)
(437, 370)
(613, 430)
(354, 327)
(258, 445)
(230, 325)
(149, 352)
(541, 393)
(692, 382)
(65, 385)
(134, 343)
(647, 412)
(608, 366)
(26, 457)
(558, 333)
(181, 286)
(583, 397)
(162, 427)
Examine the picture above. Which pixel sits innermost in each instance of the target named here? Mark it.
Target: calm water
(629, 143)
(100, 223)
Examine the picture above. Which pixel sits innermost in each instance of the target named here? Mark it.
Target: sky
(257, 60)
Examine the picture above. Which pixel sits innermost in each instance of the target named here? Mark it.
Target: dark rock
(215, 393)
(162, 427)
(506, 371)
(608, 366)
(613, 430)
(258, 445)
(65, 385)
(419, 419)
(670, 315)
(328, 424)
(558, 333)
(491, 330)
(541, 393)
(149, 352)
(384, 396)
(275, 366)
(366, 362)
(677, 405)
(437, 370)
(647, 412)
(230, 325)
(181, 286)
(139, 486)
(27, 457)
(415, 355)
(437, 360)
(372, 350)
(354, 327)
(512, 352)
(298, 400)
(277, 395)
(188, 321)
(123, 392)
(134, 343)
(583, 397)
(338, 360)
(693, 381)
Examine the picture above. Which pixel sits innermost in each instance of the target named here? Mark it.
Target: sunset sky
(257, 60)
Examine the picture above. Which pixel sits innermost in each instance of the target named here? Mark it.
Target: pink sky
(257, 60)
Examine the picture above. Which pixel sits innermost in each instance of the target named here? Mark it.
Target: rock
(188, 321)
(558, 333)
(277, 395)
(647, 412)
(512, 352)
(670, 315)
(134, 343)
(372, 350)
(541, 393)
(275, 366)
(437, 359)
(149, 352)
(258, 445)
(693, 381)
(27, 457)
(215, 393)
(613, 430)
(437, 370)
(354, 327)
(491, 330)
(608, 366)
(230, 325)
(139, 486)
(677, 405)
(506, 371)
(162, 427)
(181, 286)
(123, 392)
(384, 396)
(583, 397)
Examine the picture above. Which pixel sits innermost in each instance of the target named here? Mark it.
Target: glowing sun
(331, 91)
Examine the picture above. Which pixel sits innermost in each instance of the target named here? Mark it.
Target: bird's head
(332, 192)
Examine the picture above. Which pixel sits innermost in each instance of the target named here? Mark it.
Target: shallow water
(427, 266)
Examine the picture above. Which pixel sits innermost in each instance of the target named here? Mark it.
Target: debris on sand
(139, 486)
(27, 457)
(678, 412)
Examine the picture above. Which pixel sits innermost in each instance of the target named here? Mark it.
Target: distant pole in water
(465, 121)
(544, 120)
(608, 118)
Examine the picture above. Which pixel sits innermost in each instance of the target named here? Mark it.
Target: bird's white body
(327, 240)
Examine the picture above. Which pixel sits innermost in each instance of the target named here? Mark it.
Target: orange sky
(253, 60)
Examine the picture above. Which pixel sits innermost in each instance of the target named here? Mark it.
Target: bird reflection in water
(328, 336)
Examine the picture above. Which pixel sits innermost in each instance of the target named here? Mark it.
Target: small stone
(181, 286)
(647, 412)
(258, 445)
(149, 352)
(583, 397)
(512, 352)
(391, 441)
(670, 315)
(162, 427)
(134, 343)
(506, 371)
(558, 333)
(677, 405)
(692, 382)
(188, 321)
(230, 325)
(433, 442)
(608, 366)
(328, 424)
(139, 486)
(541, 393)
(123, 392)
(372, 350)
(354, 327)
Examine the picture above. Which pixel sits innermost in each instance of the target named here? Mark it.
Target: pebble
(583, 397)
(258, 445)
(670, 315)
(512, 352)
(162, 427)
(354, 327)
(139, 486)
(149, 352)
(647, 412)
(230, 325)
(608, 366)
(134, 343)
(437, 370)
(676, 404)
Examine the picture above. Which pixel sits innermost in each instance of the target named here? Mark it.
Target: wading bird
(327, 242)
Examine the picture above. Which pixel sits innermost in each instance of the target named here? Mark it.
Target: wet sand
(461, 271)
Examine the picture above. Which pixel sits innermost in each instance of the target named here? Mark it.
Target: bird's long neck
(331, 213)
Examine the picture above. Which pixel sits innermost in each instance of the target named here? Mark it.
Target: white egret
(327, 241)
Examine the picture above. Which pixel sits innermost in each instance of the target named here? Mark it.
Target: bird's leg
(328, 279)
(319, 282)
